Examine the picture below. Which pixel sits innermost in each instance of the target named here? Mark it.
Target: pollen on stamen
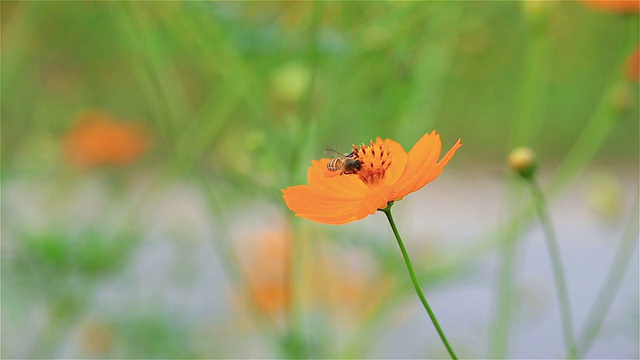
(374, 163)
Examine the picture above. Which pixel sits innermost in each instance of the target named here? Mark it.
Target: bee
(345, 163)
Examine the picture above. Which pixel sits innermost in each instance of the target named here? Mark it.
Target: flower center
(375, 159)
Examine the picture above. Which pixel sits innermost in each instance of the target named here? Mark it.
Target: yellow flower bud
(291, 81)
(622, 97)
(523, 161)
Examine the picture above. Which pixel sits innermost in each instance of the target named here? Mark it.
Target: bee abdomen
(333, 165)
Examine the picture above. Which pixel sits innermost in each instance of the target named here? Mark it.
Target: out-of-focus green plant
(87, 255)
(61, 271)
(241, 95)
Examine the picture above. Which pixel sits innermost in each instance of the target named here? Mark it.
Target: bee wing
(333, 153)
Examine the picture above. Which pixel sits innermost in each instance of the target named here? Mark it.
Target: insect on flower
(379, 173)
(344, 163)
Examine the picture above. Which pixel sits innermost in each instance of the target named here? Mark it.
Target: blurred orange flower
(622, 7)
(264, 267)
(633, 66)
(387, 174)
(615, 6)
(97, 138)
(337, 281)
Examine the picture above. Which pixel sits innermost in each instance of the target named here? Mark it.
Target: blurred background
(144, 147)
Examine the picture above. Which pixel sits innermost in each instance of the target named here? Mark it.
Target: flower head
(387, 173)
(98, 139)
(633, 66)
(523, 161)
(264, 267)
(614, 6)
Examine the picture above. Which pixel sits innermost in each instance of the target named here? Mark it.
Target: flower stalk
(556, 263)
(414, 280)
(611, 286)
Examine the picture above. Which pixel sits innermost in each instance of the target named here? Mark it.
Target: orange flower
(633, 66)
(387, 174)
(264, 267)
(632, 70)
(98, 139)
(615, 6)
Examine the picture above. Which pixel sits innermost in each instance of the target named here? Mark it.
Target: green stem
(501, 327)
(414, 280)
(532, 98)
(611, 286)
(558, 271)
(230, 260)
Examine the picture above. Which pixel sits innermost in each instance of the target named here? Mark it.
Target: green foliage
(238, 97)
(60, 266)
(89, 255)
(209, 77)
(154, 336)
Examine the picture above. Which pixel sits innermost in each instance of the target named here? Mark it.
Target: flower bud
(621, 97)
(523, 161)
(291, 81)
(537, 13)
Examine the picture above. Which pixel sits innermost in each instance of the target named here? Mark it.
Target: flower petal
(422, 165)
(333, 200)
(437, 170)
(400, 157)
(342, 186)
(374, 200)
(330, 219)
(304, 199)
(422, 156)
